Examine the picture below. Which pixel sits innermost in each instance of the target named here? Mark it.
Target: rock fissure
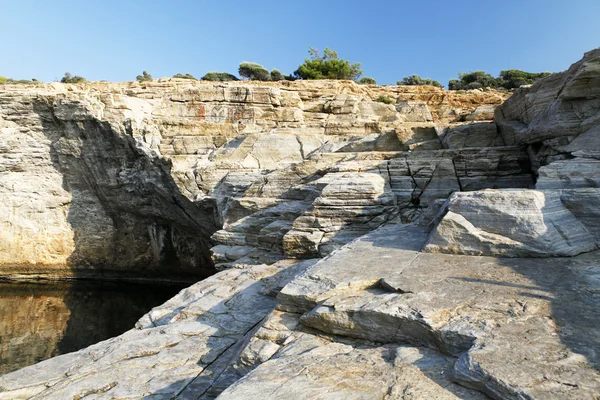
(435, 238)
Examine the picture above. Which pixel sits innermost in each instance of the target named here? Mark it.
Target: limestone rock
(557, 115)
(494, 314)
(311, 367)
(482, 113)
(510, 223)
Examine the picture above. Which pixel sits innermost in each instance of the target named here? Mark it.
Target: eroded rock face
(82, 197)
(128, 178)
(379, 192)
(559, 119)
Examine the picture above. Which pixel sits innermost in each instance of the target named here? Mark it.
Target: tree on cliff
(254, 71)
(184, 76)
(416, 80)
(472, 80)
(367, 81)
(327, 66)
(145, 77)
(219, 77)
(514, 78)
(68, 78)
(276, 75)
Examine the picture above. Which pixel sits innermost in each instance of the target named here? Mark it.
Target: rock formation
(415, 250)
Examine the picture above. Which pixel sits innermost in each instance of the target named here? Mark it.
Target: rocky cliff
(415, 250)
(132, 180)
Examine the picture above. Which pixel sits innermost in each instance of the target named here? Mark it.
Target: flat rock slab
(312, 367)
(522, 328)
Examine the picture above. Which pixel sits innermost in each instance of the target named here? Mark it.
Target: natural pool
(43, 320)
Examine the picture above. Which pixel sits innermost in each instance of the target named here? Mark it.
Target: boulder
(510, 223)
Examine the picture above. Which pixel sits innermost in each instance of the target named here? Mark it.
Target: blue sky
(116, 40)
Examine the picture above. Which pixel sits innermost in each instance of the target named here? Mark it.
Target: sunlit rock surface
(131, 178)
(457, 259)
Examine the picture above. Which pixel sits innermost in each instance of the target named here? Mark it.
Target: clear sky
(116, 39)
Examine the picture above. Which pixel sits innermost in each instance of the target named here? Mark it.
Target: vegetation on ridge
(145, 77)
(508, 79)
(219, 77)
(68, 78)
(184, 76)
(417, 80)
(367, 81)
(327, 66)
(253, 71)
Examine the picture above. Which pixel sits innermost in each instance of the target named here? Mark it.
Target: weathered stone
(510, 223)
(311, 367)
(495, 314)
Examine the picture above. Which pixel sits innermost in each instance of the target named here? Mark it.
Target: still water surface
(39, 321)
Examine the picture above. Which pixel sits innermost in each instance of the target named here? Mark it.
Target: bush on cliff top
(514, 78)
(276, 75)
(508, 79)
(145, 77)
(327, 66)
(68, 78)
(184, 76)
(254, 72)
(367, 81)
(3, 79)
(219, 77)
(418, 81)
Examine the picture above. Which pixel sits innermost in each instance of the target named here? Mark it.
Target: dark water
(39, 321)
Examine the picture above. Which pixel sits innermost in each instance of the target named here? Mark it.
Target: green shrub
(184, 76)
(417, 80)
(514, 78)
(145, 77)
(476, 79)
(385, 100)
(276, 75)
(3, 79)
(219, 77)
(327, 66)
(68, 78)
(253, 72)
(474, 85)
(367, 81)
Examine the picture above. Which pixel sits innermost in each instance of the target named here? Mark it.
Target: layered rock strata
(130, 179)
(380, 193)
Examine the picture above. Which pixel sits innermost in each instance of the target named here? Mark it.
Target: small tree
(254, 71)
(219, 77)
(276, 75)
(3, 79)
(367, 81)
(417, 80)
(145, 77)
(184, 76)
(514, 78)
(68, 78)
(327, 66)
(472, 80)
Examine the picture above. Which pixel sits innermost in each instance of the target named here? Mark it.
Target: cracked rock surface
(366, 250)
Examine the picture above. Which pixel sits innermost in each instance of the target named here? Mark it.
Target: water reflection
(39, 321)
